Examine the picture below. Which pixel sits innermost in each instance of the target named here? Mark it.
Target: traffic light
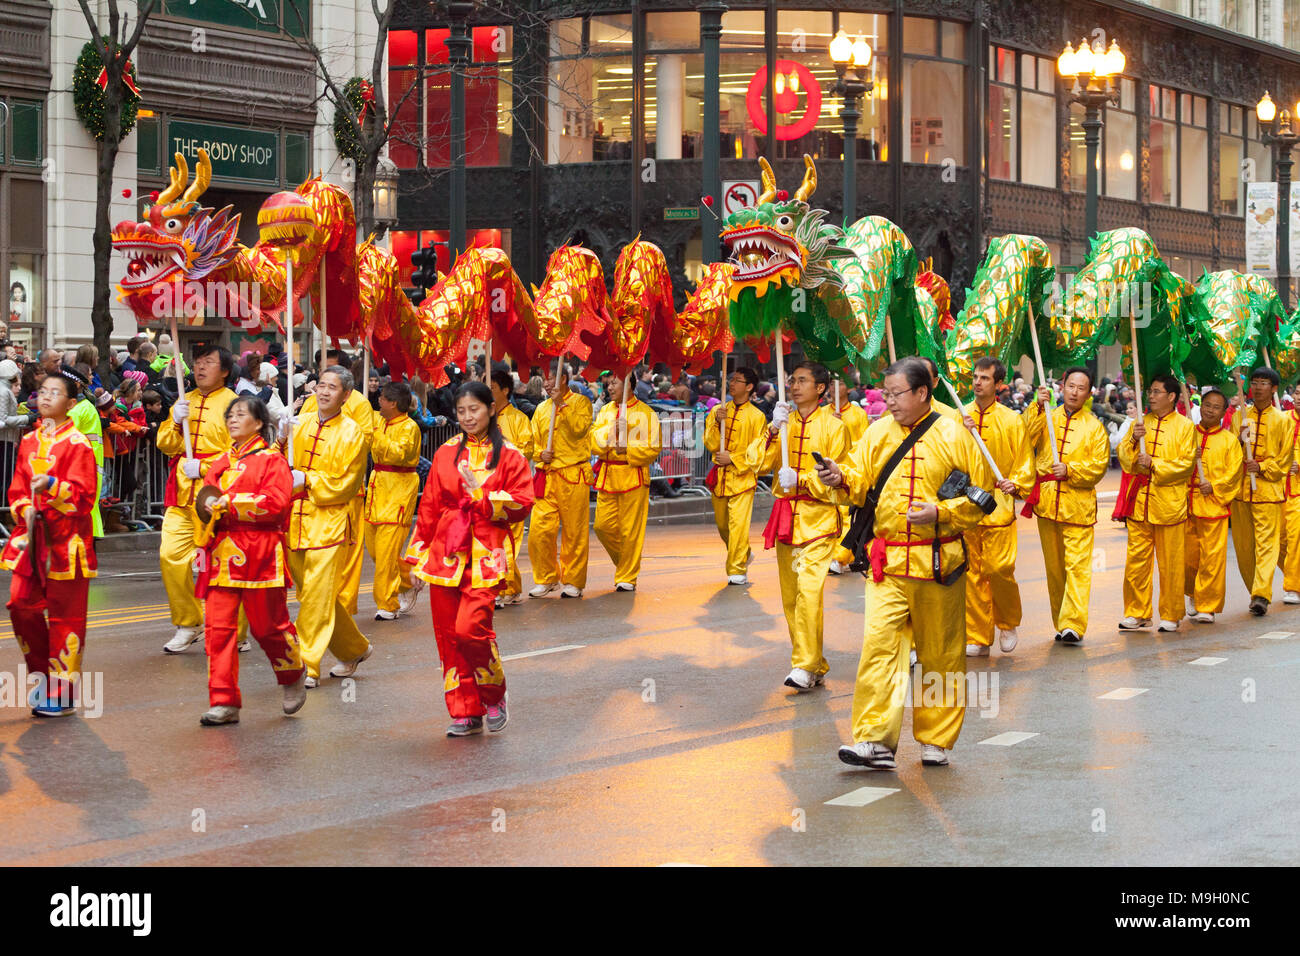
(425, 262)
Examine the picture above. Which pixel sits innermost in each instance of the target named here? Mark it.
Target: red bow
(102, 80)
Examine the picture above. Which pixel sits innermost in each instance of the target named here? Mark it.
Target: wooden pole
(324, 320)
(365, 367)
(1042, 380)
(889, 341)
(1137, 375)
(722, 419)
(780, 397)
(288, 344)
(180, 383)
(1248, 441)
(550, 437)
(622, 411)
(975, 432)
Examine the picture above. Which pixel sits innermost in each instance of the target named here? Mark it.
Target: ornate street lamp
(1283, 140)
(385, 195)
(1094, 74)
(851, 59)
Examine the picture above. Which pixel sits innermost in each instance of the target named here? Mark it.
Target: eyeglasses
(894, 396)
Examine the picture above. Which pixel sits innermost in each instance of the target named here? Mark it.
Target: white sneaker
(737, 579)
(1290, 597)
(569, 591)
(348, 668)
(622, 586)
(1203, 617)
(1167, 626)
(1008, 639)
(868, 754)
(911, 659)
(183, 638)
(407, 600)
(933, 755)
(1191, 608)
(836, 568)
(1133, 623)
(244, 646)
(220, 714)
(498, 601)
(802, 680)
(510, 599)
(542, 590)
(977, 650)
(309, 682)
(382, 615)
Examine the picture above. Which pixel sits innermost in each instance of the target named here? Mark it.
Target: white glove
(286, 426)
(787, 478)
(299, 479)
(190, 468)
(180, 411)
(780, 414)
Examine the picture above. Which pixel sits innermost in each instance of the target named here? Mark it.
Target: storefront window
(405, 242)
(1021, 118)
(590, 90)
(934, 91)
(1194, 148)
(1116, 159)
(22, 224)
(1164, 145)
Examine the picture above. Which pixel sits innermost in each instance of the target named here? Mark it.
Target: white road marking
(1208, 661)
(1009, 739)
(861, 796)
(544, 650)
(1123, 693)
(1107, 494)
(1276, 635)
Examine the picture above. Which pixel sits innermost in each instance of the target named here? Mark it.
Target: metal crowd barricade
(682, 455)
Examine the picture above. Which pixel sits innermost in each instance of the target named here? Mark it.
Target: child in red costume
(478, 486)
(244, 564)
(52, 494)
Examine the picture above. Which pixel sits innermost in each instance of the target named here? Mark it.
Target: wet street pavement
(653, 728)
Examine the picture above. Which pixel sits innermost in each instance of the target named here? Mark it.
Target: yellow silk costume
(356, 407)
(623, 482)
(733, 492)
(1257, 512)
(904, 602)
(856, 421)
(332, 456)
(1290, 543)
(563, 511)
(992, 595)
(176, 550)
(518, 431)
(1156, 529)
(390, 503)
(1205, 550)
(817, 527)
(1067, 510)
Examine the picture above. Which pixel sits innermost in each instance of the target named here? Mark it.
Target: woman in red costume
(478, 486)
(52, 552)
(244, 565)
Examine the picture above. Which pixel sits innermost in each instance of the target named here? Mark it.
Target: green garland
(346, 138)
(88, 98)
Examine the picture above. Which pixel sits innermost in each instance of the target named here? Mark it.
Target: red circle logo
(785, 99)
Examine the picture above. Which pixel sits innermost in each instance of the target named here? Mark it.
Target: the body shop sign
(238, 154)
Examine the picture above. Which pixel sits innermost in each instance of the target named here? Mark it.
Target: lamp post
(458, 49)
(385, 196)
(1094, 73)
(851, 58)
(711, 12)
(1283, 139)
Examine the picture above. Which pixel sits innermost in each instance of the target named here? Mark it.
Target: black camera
(957, 485)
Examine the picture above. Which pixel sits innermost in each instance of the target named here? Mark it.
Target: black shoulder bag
(862, 519)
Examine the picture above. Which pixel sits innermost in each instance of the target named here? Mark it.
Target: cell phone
(821, 462)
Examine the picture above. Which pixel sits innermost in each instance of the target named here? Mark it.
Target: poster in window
(918, 131)
(22, 287)
(1261, 228)
(934, 131)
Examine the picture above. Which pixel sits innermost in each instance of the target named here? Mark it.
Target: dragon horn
(202, 176)
(809, 185)
(769, 181)
(180, 175)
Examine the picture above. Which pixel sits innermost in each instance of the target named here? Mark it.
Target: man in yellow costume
(1257, 512)
(1065, 497)
(329, 465)
(733, 479)
(1158, 458)
(391, 500)
(626, 448)
(992, 594)
(356, 407)
(805, 530)
(518, 430)
(1214, 485)
(856, 420)
(204, 408)
(915, 590)
(561, 513)
(1290, 547)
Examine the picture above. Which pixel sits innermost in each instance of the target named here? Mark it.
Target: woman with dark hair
(243, 562)
(477, 488)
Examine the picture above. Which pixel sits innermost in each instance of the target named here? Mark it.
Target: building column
(670, 98)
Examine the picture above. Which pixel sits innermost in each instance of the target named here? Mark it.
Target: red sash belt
(780, 523)
(711, 479)
(876, 551)
(1032, 501)
(1129, 486)
(399, 469)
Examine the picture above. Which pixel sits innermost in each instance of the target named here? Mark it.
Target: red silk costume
(244, 565)
(53, 572)
(460, 546)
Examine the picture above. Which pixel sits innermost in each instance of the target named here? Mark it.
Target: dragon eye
(174, 225)
(785, 222)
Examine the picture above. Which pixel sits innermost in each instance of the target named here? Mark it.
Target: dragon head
(781, 241)
(179, 241)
